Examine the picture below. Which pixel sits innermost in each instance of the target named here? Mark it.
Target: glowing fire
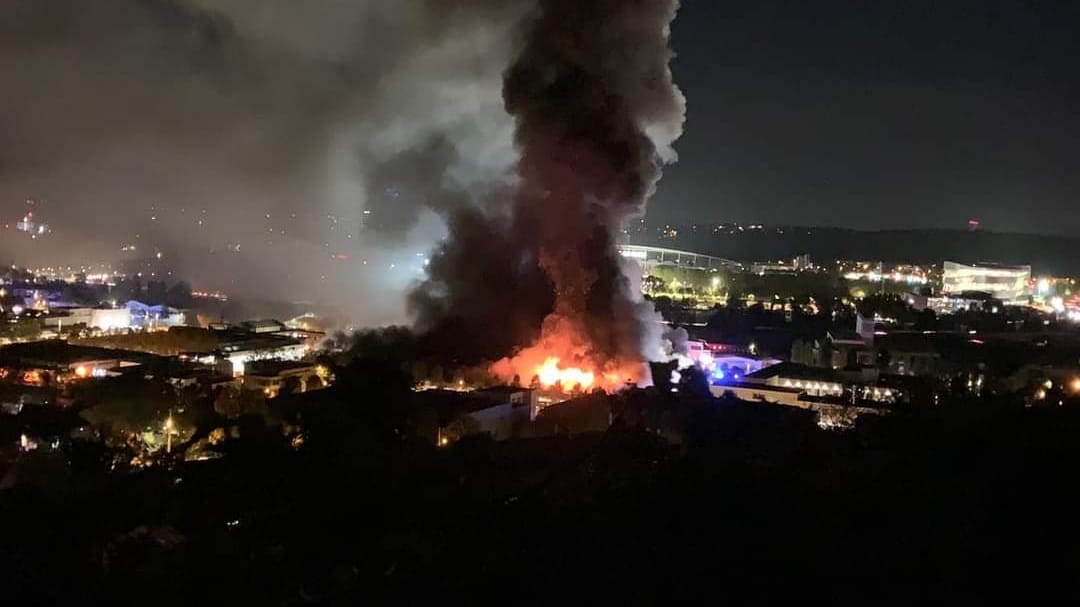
(551, 375)
(560, 361)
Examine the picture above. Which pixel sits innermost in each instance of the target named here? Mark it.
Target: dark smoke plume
(596, 113)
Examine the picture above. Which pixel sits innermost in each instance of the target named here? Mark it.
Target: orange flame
(561, 359)
(551, 374)
(584, 376)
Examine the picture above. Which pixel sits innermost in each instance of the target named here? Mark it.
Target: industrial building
(503, 412)
(238, 350)
(102, 319)
(274, 377)
(46, 363)
(132, 315)
(836, 397)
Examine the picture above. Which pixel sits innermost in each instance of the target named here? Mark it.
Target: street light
(168, 433)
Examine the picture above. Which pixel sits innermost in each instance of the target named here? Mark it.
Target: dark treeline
(683, 496)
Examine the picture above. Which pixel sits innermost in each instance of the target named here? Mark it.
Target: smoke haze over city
(245, 140)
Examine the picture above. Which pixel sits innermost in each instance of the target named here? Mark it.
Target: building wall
(502, 422)
(93, 318)
(238, 360)
(791, 399)
(761, 393)
(271, 385)
(111, 319)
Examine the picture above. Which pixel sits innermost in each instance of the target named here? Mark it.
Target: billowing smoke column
(596, 113)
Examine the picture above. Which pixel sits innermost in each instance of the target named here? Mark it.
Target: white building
(103, 319)
(239, 354)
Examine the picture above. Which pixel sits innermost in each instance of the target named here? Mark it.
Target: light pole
(168, 433)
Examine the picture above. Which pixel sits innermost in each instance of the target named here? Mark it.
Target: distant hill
(1046, 254)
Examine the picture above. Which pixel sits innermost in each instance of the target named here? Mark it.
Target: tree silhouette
(179, 295)
(291, 385)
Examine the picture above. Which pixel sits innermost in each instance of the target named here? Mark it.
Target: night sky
(878, 114)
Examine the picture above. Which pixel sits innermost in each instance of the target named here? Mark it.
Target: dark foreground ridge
(682, 496)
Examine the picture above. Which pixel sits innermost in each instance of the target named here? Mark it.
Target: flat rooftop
(796, 371)
(60, 353)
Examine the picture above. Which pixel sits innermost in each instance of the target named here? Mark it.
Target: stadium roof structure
(675, 257)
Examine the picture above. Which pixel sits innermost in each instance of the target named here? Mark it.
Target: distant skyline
(878, 115)
(281, 147)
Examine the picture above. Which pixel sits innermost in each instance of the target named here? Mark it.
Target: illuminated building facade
(1007, 283)
(31, 227)
(236, 355)
(154, 317)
